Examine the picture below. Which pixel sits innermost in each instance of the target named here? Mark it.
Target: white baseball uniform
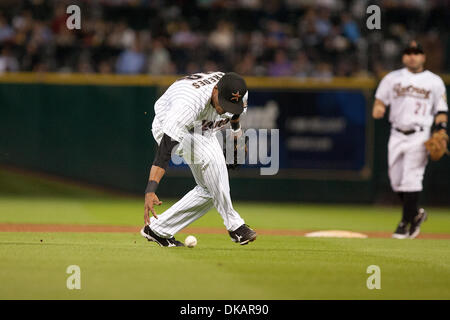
(184, 113)
(414, 100)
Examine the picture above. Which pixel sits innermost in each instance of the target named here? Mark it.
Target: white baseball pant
(207, 162)
(407, 158)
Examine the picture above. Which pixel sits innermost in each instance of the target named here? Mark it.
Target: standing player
(418, 104)
(187, 116)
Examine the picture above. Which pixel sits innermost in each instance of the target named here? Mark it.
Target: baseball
(190, 241)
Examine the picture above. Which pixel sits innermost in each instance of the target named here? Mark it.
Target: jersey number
(195, 76)
(421, 108)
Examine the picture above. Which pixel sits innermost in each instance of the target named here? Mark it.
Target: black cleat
(243, 235)
(148, 233)
(402, 231)
(414, 230)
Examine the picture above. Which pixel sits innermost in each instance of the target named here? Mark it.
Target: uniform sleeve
(383, 92)
(180, 118)
(440, 98)
(245, 101)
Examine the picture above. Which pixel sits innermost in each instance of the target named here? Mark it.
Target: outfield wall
(96, 129)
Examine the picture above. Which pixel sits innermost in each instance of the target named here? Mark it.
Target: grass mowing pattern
(126, 266)
(129, 212)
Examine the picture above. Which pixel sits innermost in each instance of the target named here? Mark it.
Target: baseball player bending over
(418, 104)
(187, 116)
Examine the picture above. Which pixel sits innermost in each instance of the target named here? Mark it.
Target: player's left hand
(151, 199)
(240, 148)
(437, 145)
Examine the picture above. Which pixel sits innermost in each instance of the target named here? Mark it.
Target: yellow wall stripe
(164, 81)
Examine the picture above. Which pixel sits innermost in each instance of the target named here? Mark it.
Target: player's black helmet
(232, 88)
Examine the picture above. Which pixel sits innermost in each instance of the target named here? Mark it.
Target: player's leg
(396, 164)
(415, 162)
(210, 173)
(192, 206)
(215, 179)
(195, 203)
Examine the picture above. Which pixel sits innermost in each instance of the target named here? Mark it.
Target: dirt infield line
(9, 227)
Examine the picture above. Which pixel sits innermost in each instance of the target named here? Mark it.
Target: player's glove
(238, 148)
(437, 145)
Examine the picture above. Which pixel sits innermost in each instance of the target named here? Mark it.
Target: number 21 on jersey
(421, 108)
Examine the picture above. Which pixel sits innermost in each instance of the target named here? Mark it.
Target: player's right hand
(378, 112)
(151, 199)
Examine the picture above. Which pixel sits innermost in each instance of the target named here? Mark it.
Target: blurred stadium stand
(301, 38)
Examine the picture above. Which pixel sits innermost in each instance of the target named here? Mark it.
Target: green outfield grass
(126, 266)
(123, 266)
(129, 212)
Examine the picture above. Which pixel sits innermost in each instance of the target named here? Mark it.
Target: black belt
(408, 132)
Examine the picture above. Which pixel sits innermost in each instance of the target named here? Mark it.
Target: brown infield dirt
(7, 227)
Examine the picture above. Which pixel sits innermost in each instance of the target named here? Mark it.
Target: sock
(401, 197)
(410, 205)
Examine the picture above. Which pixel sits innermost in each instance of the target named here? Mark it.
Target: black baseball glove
(237, 148)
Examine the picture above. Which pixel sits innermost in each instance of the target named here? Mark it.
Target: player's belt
(408, 132)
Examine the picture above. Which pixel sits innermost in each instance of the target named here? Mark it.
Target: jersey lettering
(411, 91)
(197, 76)
(207, 125)
(414, 98)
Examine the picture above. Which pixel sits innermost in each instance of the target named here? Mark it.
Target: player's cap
(232, 88)
(413, 48)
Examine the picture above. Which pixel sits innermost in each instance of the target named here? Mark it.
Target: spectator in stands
(159, 61)
(246, 65)
(222, 37)
(302, 67)
(8, 63)
(308, 33)
(6, 31)
(281, 66)
(183, 37)
(323, 71)
(105, 67)
(131, 60)
(350, 28)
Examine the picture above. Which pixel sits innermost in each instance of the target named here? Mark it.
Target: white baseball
(190, 241)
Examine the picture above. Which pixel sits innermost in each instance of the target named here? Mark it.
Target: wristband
(235, 126)
(234, 122)
(152, 185)
(236, 133)
(440, 126)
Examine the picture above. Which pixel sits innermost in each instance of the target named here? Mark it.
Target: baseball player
(418, 106)
(187, 116)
